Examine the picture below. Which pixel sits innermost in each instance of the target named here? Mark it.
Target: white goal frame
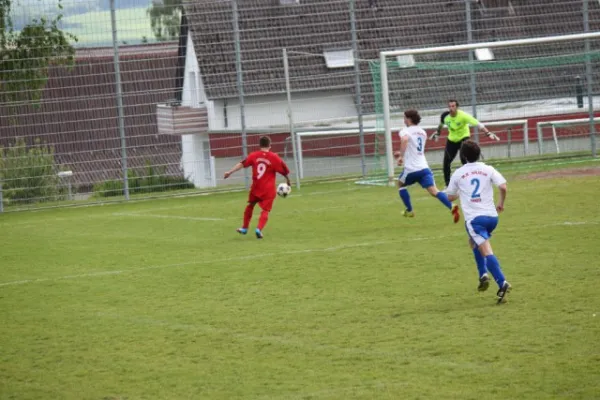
(554, 124)
(332, 132)
(383, 55)
(355, 131)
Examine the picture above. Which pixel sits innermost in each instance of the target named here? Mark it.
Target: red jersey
(265, 166)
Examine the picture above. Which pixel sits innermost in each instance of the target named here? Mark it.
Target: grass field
(343, 299)
(94, 28)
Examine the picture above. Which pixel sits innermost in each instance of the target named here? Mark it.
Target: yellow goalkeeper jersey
(458, 126)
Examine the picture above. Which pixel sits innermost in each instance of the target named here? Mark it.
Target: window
(406, 61)
(495, 3)
(484, 54)
(339, 58)
(495, 6)
(193, 90)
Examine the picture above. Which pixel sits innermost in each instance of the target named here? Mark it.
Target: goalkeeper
(458, 123)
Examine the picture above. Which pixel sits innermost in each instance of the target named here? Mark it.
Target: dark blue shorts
(424, 177)
(480, 228)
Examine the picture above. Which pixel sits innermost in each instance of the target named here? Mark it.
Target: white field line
(263, 255)
(533, 165)
(150, 210)
(167, 217)
(211, 261)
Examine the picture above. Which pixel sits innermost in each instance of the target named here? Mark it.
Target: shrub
(28, 174)
(152, 179)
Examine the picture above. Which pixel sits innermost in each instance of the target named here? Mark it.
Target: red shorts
(264, 203)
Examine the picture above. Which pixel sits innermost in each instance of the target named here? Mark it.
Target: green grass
(94, 28)
(343, 299)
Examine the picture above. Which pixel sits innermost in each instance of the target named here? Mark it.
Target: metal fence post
(240, 85)
(358, 96)
(288, 89)
(473, 84)
(121, 114)
(588, 77)
(509, 140)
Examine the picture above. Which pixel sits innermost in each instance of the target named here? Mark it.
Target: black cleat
(484, 283)
(503, 291)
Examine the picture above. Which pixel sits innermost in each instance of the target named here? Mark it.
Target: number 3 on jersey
(261, 169)
(420, 144)
(475, 182)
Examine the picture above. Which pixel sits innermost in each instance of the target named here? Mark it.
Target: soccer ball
(283, 189)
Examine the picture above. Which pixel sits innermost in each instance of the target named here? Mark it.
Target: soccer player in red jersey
(265, 166)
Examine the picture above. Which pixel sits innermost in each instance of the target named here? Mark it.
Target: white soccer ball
(283, 189)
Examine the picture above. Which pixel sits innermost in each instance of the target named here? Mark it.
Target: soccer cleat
(242, 231)
(484, 283)
(259, 234)
(455, 214)
(503, 291)
(409, 214)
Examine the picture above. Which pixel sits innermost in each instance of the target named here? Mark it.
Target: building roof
(308, 28)
(78, 112)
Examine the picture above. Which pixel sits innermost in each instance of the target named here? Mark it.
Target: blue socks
(443, 197)
(494, 267)
(405, 198)
(480, 262)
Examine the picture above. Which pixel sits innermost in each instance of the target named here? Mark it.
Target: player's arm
(502, 189)
(452, 197)
(438, 132)
(452, 189)
(235, 168)
(500, 181)
(242, 164)
(285, 171)
(403, 145)
(475, 122)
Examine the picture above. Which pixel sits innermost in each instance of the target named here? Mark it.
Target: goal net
(526, 91)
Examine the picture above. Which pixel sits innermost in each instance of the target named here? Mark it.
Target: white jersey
(414, 155)
(473, 183)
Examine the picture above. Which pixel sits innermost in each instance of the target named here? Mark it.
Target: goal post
(545, 62)
(315, 146)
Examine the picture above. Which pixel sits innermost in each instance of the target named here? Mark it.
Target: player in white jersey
(472, 183)
(416, 168)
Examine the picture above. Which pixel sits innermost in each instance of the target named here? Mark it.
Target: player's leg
(427, 182)
(404, 180)
(247, 218)
(449, 156)
(484, 279)
(248, 211)
(493, 266)
(480, 230)
(266, 206)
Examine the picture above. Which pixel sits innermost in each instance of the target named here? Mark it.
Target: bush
(28, 174)
(152, 179)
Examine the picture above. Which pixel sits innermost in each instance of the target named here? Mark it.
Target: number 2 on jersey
(261, 169)
(420, 145)
(476, 183)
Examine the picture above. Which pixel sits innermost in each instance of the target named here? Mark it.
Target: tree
(165, 18)
(26, 55)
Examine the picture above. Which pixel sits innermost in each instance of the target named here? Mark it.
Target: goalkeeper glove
(435, 136)
(493, 136)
